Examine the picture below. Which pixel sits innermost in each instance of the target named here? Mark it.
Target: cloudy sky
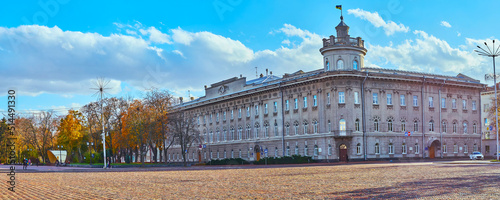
(52, 51)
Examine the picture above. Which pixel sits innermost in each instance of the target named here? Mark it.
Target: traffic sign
(491, 127)
(265, 150)
(204, 146)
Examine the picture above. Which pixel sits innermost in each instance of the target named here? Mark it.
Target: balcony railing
(343, 41)
(342, 133)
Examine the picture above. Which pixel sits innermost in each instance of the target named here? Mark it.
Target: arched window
(454, 127)
(431, 125)
(329, 149)
(327, 64)
(266, 129)
(403, 148)
(455, 148)
(306, 130)
(415, 126)
(257, 126)
(465, 127)
(389, 125)
(356, 125)
(340, 64)
(358, 148)
(296, 127)
(377, 148)
(276, 134)
(474, 128)
(403, 125)
(375, 125)
(287, 129)
(342, 127)
(315, 124)
(316, 151)
(443, 126)
(329, 126)
(296, 150)
(248, 132)
(391, 148)
(355, 65)
(240, 133)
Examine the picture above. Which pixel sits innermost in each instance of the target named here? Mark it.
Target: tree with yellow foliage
(71, 132)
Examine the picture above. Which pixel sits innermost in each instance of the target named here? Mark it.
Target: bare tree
(183, 128)
(38, 131)
(160, 102)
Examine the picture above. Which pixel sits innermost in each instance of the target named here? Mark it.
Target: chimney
(192, 98)
(271, 72)
(261, 75)
(241, 75)
(180, 99)
(267, 71)
(205, 87)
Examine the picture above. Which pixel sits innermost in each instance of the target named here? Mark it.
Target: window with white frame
(266, 130)
(248, 111)
(443, 102)
(296, 126)
(327, 64)
(275, 107)
(305, 102)
(443, 126)
(296, 103)
(287, 150)
(375, 98)
(224, 137)
(464, 104)
(389, 125)
(473, 105)
(454, 127)
(454, 103)
(306, 130)
(415, 101)
(356, 97)
(466, 148)
(465, 127)
(232, 133)
(316, 151)
(444, 148)
(356, 125)
(342, 127)
(415, 126)
(341, 97)
(256, 132)
(287, 129)
(358, 148)
(402, 100)
(276, 134)
(257, 110)
(403, 148)
(403, 125)
(232, 114)
(232, 153)
(377, 148)
(340, 64)
(248, 132)
(315, 100)
(355, 65)
(265, 109)
(391, 148)
(474, 128)
(389, 99)
(210, 119)
(455, 148)
(329, 126)
(431, 125)
(329, 149)
(431, 102)
(239, 154)
(417, 149)
(224, 115)
(328, 98)
(240, 133)
(315, 124)
(287, 105)
(239, 113)
(375, 125)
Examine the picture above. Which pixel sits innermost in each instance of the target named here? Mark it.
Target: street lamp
(90, 144)
(492, 53)
(60, 149)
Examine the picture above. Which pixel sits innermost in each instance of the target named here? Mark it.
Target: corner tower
(343, 52)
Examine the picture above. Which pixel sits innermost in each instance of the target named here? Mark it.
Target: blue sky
(52, 50)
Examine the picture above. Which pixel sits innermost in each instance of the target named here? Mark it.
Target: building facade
(489, 136)
(341, 110)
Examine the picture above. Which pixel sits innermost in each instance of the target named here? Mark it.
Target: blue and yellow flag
(338, 7)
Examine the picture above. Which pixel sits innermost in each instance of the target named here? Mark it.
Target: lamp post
(90, 144)
(60, 149)
(492, 53)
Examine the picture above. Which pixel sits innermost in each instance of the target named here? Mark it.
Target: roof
(262, 80)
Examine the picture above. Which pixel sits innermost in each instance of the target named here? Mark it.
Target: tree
(183, 128)
(71, 132)
(159, 102)
(36, 131)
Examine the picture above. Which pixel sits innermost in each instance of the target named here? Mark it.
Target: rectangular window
(454, 103)
(198, 120)
(217, 117)
(224, 116)
(466, 149)
(315, 100)
(416, 148)
(377, 149)
(391, 149)
(375, 98)
(415, 100)
(464, 104)
(248, 111)
(402, 100)
(232, 114)
(296, 103)
(256, 110)
(486, 121)
(287, 105)
(389, 99)
(356, 97)
(265, 109)
(239, 113)
(443, 102)
(275, 108)
(431, 102)
(486, 107)
(403, 149)
(328, 98)
(358, 149)
(210, 119)
(473, 105)
(305, 102)
(341, 97)
(444, 148)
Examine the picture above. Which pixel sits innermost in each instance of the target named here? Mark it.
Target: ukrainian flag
(338, 7)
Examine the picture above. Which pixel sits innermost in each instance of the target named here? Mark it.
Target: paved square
(380, 181)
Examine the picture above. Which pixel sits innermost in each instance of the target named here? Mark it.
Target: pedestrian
(24, 164)
(29, 162)
(109, 163)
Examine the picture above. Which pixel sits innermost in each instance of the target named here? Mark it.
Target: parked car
(476, 156)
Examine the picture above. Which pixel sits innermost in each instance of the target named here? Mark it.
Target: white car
(476, 156)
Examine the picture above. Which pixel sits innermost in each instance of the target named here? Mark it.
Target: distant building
(489, 143)
(341, 109)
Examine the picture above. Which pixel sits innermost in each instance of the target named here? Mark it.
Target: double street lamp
(90, 144)
(60, 149)
(492, 53)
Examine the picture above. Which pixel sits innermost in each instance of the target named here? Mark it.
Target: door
(343, 153)
(432, 151)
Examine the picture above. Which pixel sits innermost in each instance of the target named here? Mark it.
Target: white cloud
(445, 24)
(458, 34)
(287, 42)
(374, 18)
(156, 36)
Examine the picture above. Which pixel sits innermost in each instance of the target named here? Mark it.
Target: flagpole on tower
(340, 8)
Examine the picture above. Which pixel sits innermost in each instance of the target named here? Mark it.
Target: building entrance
(343, 153)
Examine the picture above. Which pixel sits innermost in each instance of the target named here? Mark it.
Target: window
(444, 148)
(416, 148)
(305, 102)
(256, 132)
(240, 133)
(315, 100)
(443, 127)
(431, 125)
(287, 129)
(454, 103)
(356, 97)
(232, 153)
(443, 102)
(296, 126)
(328, 98)
(287, 106)
(224, 116)
(454, 127)
(375, 98)
(198, 120)
(239, 153)
(329, 149)
(389, 99)
(455, 148)
(342, 127)
(315, 124)
(391, 148)
(415, 126)
(306, 127)
(403, 126)
(248, 111)
(473, 105)
(239, 113)
(224, 137)
(415, 100)
(377, 148)
(465, 127)
(431, 102)
(486, 121)
(296, 103)
(232, 114)
(356, 125)
(402, 100)
(266, 130)
(296, 150)
(389, 125)
(487, 149)
(340, 64)
(466, 148)
(305, 150)
(256, 110)
(210, 119)
(287, 150)
(275, 107)
(358, 148)
(204, 119)
(474, 128)
(275, 152)
(327, 64)
(341, 97)
(316, 151)
(403, 148)
(265, 109)
(355, 65)
(276, 134)
(217, 135)
(248, 132)
(232, 133)
(464, 104)
(375, 125)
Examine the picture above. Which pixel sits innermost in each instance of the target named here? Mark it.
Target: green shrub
(228, 161)
(295, 159)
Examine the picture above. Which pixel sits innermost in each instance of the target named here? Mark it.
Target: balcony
(342, 133)
(343, 41)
